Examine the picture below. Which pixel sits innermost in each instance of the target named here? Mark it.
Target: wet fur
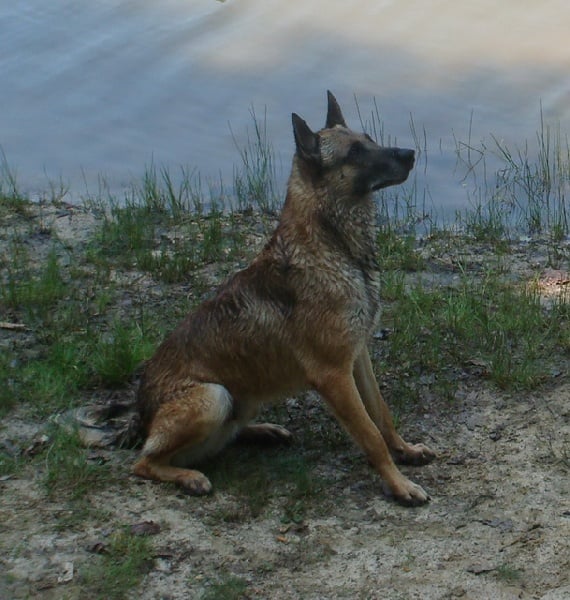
(297, 318)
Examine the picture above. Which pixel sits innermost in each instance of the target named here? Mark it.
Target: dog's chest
(351, 288)
(364, 297)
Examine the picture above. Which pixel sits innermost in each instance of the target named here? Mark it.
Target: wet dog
(297, 318)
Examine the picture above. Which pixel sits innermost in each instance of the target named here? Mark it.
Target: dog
(297, 318)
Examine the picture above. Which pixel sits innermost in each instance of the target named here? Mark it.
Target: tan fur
(297, 318)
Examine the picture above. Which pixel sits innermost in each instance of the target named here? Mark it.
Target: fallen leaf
(503, 525)
(98, 548)
(36, 446)
(67, 574)
(145, 528)
(12, 326)
(480, 569)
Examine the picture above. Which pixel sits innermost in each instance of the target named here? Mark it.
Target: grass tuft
(524, 187)
(501, 327)
(119, 352)
(69, 474)
(118, 571)
(255, 185)
(228, 587)
(11, 198)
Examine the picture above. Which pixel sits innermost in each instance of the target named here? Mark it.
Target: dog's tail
(108, 424)
(127, 422)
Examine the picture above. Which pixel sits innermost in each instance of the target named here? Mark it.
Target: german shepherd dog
(297, 318)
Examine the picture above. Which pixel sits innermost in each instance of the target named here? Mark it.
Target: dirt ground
(497, 526)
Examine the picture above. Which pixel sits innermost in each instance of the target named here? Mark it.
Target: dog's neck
(350, 227)
(314, 216)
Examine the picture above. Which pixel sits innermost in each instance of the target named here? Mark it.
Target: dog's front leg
(404, 453)
(340, 392)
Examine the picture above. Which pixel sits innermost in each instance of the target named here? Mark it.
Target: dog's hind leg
(193, 424)
(404, 453)
(264, 433)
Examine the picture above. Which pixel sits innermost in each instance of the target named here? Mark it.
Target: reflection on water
(109, 86)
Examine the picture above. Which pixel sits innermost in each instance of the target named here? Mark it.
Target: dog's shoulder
(266, 282)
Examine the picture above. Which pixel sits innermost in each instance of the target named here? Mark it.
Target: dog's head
(350, 162)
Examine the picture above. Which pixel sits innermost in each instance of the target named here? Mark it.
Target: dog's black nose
(406, 156)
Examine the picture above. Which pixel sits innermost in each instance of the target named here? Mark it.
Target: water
(104, 88)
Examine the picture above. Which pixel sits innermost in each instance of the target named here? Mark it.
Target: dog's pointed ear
(307, 142)
(334, 114)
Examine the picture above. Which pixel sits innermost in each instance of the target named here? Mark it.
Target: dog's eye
(356, 150)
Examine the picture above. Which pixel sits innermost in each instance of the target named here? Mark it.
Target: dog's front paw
(407, 493)
(417, 454)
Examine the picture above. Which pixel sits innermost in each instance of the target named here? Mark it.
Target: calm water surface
(107, 87)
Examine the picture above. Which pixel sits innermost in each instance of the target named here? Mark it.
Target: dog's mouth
(388, 182)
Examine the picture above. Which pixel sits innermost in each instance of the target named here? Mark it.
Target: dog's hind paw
(194, 484)
(265, 433)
